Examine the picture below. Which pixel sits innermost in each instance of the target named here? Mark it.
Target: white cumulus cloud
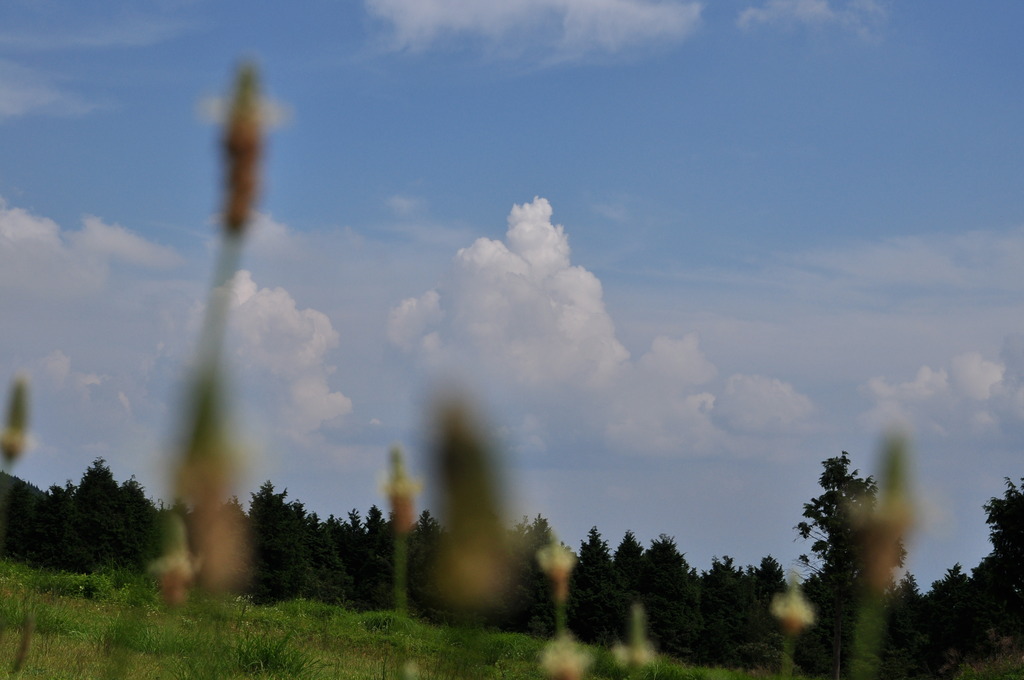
(520, 307)
(274, 336)
(972, 394)
(755, 403)
(407, 321)
(518, 312)
(37, 256)
(112, 241)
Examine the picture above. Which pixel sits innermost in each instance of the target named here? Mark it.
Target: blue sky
(678, 252)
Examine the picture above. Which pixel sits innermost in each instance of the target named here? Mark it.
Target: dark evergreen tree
(726, 597)
(423, 544)
(365, 548)
(762, 645)
(836, 545)
(327, 580)
(18, 516)
(528, 607)
(374, 570)
(769, 579)
(670, 592)
(141, 533)
(280, 548)
(234, 518)
(950, 615)
(596, 604)
(627, 560)
(55, 542)
(99, 519)
(905, 637)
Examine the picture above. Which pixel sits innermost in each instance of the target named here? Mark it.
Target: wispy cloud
(25, 91)
(860, 16)
(965, 262)
(133, 30)
(565, 28)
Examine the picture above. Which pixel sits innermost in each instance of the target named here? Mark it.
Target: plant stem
(788, 650)
(401, 572)
(867, 637)
(560, 624)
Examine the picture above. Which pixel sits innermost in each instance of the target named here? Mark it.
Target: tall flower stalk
(401, 491)
(205, 468)
(794, 614)
(472, 565)
(15, 433)
(557, 562)
(883, 528)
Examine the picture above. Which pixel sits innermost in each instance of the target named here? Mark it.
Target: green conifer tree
(280, 551)
(99, 518)
(726, 595)
(596, 600)
(627, 561)
(670, 592)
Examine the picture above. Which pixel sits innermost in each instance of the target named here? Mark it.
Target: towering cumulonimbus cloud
(519, 307)
(518, 312)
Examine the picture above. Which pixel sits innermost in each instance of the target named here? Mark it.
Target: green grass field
(113, 625)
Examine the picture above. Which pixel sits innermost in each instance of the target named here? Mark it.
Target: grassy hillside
(113, 625)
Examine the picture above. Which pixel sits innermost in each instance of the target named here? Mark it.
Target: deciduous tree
(836, 554)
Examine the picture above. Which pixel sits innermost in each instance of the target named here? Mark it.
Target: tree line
(719, 616)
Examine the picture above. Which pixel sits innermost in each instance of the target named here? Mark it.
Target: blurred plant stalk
(883, 529)
(401, 491)
(206, 468)
(472, 569)
(557, 563)
(794, 614)
(15, 434)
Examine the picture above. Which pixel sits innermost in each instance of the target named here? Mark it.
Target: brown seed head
(242, 150)
(886, 525)
(15, 434)
(401, 490)
(472, 568)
